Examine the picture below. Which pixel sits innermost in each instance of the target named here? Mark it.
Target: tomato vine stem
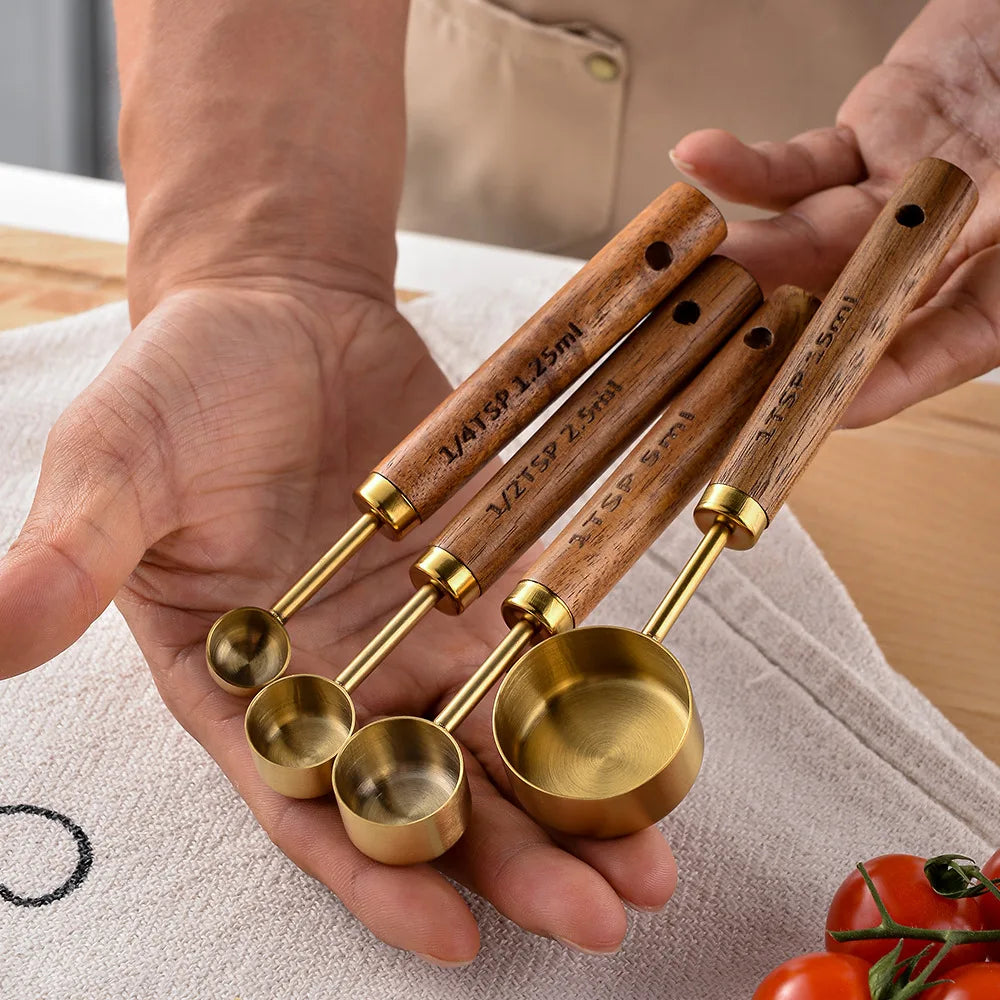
(889, 988)
(890, 928)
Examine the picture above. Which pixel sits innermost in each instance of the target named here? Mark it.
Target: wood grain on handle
(672, 461)
(586, 317)
(591, 429)
(881, 283)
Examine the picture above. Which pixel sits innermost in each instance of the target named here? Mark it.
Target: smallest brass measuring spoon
(597, 728)
(247, 647)
(400, 782)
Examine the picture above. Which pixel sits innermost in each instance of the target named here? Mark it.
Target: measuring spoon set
(596, 727)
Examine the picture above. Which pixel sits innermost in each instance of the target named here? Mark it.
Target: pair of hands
(213, 460)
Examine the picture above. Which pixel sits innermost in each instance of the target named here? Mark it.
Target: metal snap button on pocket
(602, 67)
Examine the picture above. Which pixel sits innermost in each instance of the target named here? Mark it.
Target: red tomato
(908, 897)
(979, 981)
(989, 905)
(819, 976)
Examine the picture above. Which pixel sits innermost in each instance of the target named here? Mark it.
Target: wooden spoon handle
(670, 463)
(591, 428)
(586, 317)
(882, 281)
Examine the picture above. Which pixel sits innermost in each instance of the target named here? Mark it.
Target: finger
(414, 908)
(772, 175)
(640, 867)
(807, 245)
(954, 337)
(88, 525)
(507, 859)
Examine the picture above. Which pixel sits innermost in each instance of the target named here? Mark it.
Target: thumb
(808, 181)
(771, 175)
(86, 530)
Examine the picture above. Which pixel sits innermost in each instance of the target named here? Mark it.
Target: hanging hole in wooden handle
(759, 338)
(578, 325)
(595, 423)
(687, 313)
(659, 255)
(883, 280)
(910, 216)
(669, 463)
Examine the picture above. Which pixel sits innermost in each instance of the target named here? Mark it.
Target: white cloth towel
(818, 755)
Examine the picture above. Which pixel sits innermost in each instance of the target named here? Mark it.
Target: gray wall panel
(58, 92)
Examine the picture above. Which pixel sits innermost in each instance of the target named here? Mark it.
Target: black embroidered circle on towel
(84, 850)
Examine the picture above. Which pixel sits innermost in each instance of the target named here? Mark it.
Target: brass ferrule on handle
(885, 278)
(745, 517)
(396, 515)
(455, 582)
(535, 603)
(442, 581)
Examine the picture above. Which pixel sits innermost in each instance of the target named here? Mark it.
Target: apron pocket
(513, 127)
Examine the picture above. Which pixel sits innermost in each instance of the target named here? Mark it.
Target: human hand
(936, 94)
(213, 460)
(206, 468)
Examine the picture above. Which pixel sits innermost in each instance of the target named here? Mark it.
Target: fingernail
(444, 963)
(588, 951)
(639, 908)
(682, 165)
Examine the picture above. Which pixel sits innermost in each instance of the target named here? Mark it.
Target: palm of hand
(935, 94)
(228, 432)
(921, 102)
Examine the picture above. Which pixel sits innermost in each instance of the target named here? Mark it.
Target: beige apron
(547, 123)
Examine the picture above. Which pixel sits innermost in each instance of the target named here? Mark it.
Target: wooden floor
(907, 513)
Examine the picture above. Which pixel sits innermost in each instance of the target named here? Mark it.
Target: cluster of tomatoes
(900, 900)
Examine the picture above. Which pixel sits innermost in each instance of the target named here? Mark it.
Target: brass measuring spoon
(400, 782)
(248, 647)
(296, 724)
(597, 728)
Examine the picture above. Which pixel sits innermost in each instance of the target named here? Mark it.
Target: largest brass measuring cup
(597, 728)
(296, 725)
(248, 647)
(400, 782)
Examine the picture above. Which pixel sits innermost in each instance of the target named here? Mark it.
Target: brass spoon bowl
(598, 731)
(249, 647)
(295, 727)
(246, 649)
(401, 784)
(402, 791)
